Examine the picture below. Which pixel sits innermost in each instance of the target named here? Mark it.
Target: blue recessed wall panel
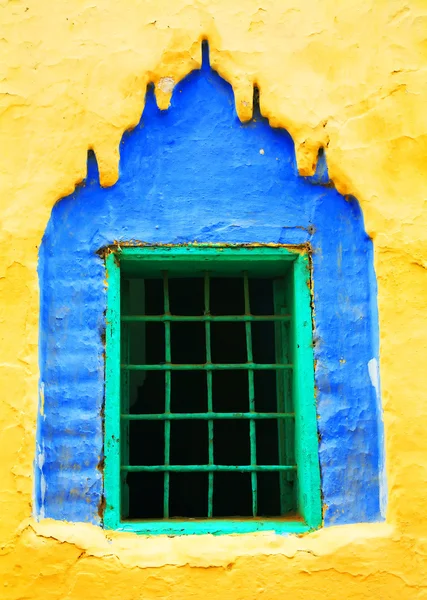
(195, 173)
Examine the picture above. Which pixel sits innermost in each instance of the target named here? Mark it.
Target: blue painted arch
(195, 172)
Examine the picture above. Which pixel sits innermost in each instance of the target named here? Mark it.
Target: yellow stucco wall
(349, 75)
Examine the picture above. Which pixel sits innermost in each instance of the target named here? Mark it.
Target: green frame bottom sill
(214, 526)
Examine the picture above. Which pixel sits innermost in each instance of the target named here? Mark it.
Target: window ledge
(212, 550)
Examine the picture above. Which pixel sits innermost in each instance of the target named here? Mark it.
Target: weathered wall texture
(349, 76)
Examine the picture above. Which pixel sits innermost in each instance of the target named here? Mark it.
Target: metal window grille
(289, 439)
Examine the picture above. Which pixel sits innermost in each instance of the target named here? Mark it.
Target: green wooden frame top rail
(199, 261)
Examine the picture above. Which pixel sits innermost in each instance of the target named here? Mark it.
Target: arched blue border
(195, 173)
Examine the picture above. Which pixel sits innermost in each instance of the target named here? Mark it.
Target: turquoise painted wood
(112, 397)
(212, 526)
(223, 260)
(306, 439)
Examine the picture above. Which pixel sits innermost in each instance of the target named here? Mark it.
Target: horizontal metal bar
(205, 468)
(206, 416)
(202, 318)
(206, 367)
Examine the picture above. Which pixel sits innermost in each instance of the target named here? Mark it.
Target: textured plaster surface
(191, 173)
(350, 76)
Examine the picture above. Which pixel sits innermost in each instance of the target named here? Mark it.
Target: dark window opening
(232, 467)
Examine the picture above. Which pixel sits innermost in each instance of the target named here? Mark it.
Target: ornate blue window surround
(195, 173)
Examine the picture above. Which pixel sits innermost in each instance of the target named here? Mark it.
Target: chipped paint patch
(166, 84)
(374, 376)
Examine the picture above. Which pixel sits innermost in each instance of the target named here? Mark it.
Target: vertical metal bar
(284, 426)
(125, 398)
(168, 382)
(252, 426)
(209, 386)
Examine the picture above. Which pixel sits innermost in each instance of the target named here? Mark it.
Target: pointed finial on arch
(106, 150)
(92, 175)
(206, 63)
(256, 105)
(244, 96)
(321, 175)
(243, 89)
(150, 95)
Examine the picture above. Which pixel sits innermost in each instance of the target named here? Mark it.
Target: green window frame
(296, 294)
